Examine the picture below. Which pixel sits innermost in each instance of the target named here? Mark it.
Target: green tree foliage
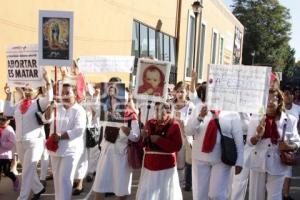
(267, 31)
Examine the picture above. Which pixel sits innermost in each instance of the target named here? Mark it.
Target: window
(173, 50)
(201, 50)
(214, 48)
(146, 41)
(135, 40)
(143, 41)
(152, 49)
(160, 46)
(189, 54)
(166, 48)
(221, 50)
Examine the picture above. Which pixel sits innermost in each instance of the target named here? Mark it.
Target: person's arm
(78, 128)
(172, 143)
(252, 137)
(134, 133)
(9, 108)
(294, 143)
(44, 101)
(196, 121)
(8, 141)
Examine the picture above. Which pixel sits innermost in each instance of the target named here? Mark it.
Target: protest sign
(22, 66)
(238, 88)
(55, 38)
(152, 80)
(92, 64)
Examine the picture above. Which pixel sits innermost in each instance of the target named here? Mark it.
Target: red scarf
(1, 130)
(210, 137)
(25, 105)
(271, 130)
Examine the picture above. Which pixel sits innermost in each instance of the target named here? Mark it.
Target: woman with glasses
(267, 172)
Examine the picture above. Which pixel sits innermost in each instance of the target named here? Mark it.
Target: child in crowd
(153, 81)
(7, 143)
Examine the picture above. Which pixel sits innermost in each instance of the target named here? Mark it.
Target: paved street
(7, 193)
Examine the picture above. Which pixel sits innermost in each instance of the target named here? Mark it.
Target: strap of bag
(218, 125)
(39, 106)
(284, 129)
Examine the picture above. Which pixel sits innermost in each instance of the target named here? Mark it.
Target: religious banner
(22, 66)
(238, 88)
(93, 64)
(152, 80)
(55, 38)
(112, 104)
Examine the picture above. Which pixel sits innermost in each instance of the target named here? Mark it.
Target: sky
(294, 6)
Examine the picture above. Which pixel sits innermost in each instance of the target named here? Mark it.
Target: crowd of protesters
(180, 140)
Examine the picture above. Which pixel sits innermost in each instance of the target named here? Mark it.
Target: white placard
(92, 64)
(22, 66)
(238, 88)
(152, 80)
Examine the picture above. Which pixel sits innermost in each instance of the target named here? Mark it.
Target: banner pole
(55, 97)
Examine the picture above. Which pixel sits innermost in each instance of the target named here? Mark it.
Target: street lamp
(197, 7)
(253, 56)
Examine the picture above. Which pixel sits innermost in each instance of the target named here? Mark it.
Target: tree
(267, 31)
(297, 63)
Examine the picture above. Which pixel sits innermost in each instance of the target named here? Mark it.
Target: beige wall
(104, 27)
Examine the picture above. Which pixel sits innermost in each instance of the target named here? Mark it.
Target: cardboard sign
(22, 66)
(55, 38)
(92, 64)
(152, 80)
(238, 88)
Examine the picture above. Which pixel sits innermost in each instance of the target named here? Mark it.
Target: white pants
(30, 153)
(82, 166)
(262, 181)
(44, 164)
(239, 184)
(93, 157)
(210, 181)
(63, 169)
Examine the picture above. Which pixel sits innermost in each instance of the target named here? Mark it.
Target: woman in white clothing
(210, 175)
(113, 174)
(30, 136)
(181, 111)
(267, 172)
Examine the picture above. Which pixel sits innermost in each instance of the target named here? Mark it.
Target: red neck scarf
(210, 137)
(271, 129)
(1, 130)
(25, 105)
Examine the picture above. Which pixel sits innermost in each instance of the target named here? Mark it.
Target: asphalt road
(7, 192)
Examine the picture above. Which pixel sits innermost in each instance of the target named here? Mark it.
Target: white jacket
(265, 156)
(72, 121)
(27, 127)
(230, 126)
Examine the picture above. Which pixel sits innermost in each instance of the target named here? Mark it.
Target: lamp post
(253, 56)
(197, 7)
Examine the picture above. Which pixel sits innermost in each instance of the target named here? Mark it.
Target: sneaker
(89, 178)
(16, 184)
(38, 195)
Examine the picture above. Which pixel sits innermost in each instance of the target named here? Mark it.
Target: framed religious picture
(112, 104)
(152, 80)
(55, 38)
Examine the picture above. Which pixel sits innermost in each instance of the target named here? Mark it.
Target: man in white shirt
(292, 109)
(70, 126)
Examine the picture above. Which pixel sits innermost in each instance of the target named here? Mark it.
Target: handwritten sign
(92, 64)
(238, 88)
(22, 66)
